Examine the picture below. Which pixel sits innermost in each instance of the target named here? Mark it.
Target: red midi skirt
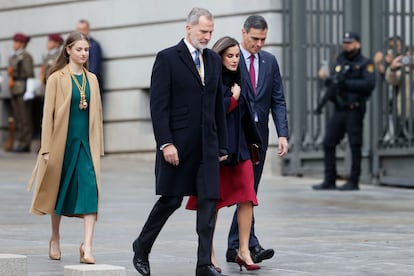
(236, 185)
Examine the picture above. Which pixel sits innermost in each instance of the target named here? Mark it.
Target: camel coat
(55, 121)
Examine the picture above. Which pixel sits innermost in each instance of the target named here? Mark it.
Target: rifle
(8, 145)
(332, 90)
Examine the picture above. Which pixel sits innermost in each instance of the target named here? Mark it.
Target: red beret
(56, 37)
(21, 38)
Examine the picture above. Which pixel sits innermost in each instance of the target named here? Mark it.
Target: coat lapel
(262, 74)
(207, 68)
(245, 75)
(93, 101)
(66, 82)
(187, 59)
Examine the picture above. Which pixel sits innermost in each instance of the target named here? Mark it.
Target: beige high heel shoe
(83, 259)
(56, 255)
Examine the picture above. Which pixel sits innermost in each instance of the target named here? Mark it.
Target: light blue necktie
(197, 61)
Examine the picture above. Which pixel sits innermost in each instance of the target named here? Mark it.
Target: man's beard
(197, 44)
(351, 53)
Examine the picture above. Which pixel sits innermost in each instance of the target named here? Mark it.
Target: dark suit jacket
(269, 96)
(95, 60)
(191, 116)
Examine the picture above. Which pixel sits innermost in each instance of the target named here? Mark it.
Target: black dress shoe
(141, 264)
(324, 186)
(349, 186)
(231, 255)
(207, 270)
(259, 254)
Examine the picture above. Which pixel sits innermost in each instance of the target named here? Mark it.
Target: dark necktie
(252, 73)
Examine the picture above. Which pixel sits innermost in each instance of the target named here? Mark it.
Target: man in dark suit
(263, 83)
(188, 118)
(95, 51)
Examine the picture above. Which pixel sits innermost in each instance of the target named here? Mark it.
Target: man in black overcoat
(190, 131)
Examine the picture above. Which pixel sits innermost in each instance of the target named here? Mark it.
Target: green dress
(78, 193)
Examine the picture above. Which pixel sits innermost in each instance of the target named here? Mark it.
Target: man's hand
(283, 146)
(396, 63)
(171, 155)
(389, 57)
(323, 73)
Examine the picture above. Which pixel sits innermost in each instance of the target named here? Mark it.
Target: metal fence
(312, 39)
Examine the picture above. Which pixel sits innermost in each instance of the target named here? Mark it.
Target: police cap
(350, 37)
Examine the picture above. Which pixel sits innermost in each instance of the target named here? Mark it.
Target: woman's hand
(235, 89)
(46, 157)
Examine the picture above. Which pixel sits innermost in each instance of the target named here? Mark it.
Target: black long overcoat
(189, 114)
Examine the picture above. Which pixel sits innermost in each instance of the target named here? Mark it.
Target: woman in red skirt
(236, 173)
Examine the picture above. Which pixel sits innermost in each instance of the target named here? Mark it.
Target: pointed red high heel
(241, 263)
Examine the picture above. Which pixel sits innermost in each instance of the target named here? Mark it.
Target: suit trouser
(164, 208)
(22, 113)
(233, 238)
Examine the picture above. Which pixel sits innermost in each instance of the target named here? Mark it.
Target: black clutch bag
(254, 154)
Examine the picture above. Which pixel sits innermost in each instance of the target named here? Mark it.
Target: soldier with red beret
(54, 42)
(53, 46)
(20, 70)
(20, 37)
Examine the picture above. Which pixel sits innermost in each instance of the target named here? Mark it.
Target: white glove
(28, 95)
(30, 89)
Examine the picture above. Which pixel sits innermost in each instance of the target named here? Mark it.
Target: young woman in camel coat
(72, 134)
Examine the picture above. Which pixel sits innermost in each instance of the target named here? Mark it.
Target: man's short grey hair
(195, 14)
(255, 22)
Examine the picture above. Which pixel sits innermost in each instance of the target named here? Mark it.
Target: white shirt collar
(18, 52)
(191, 47)
(247, 54)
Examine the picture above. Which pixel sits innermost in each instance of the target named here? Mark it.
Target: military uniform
(20, 69)
(53, 46)
(354, 78)
(50, 57)
(48, 60)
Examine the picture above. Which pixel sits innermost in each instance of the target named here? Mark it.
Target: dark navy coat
(242, 131)
(191, 116)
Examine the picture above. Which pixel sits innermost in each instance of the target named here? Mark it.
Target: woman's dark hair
(63, 57)
(223, 44)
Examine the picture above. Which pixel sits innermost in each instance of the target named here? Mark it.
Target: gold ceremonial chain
(83, 104)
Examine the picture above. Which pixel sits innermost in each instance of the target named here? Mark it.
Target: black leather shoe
(349, 186)
(141, 264)
(259, 254)
(324, 186)
(207, 270)
(231, 255)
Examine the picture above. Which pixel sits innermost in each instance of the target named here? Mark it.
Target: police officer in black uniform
(352, 78)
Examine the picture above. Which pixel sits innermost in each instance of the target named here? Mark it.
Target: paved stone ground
(369, 232)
